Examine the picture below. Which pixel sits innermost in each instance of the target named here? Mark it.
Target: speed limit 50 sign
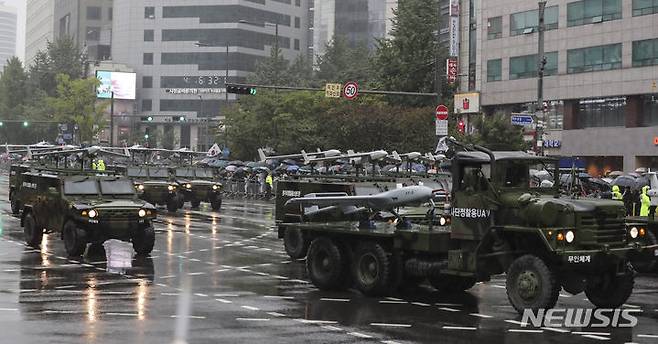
(351, 90)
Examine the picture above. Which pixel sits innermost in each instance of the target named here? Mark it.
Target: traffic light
(178, 119)
(461, 127)
(146, 133)
(147, 118)
(241, 90)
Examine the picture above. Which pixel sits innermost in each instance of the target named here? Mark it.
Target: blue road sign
(524, 120)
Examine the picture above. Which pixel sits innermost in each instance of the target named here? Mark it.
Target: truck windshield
(137, 172)
(82, 187)
(201, 173)
(158, 172)
(117, 187)
(184, 172)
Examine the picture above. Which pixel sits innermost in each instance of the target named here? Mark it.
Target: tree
(408, 60)
(63, 56)
(341, 63)
(76, 103)
(497, 133)
(272, 70)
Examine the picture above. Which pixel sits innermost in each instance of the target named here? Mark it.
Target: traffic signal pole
(541, 63)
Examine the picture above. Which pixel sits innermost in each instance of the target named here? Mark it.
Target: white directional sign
(522, 120)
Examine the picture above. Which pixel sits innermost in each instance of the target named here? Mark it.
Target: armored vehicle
(198, 185)
(154, 185)
(15, 172)
(498, 221)
(82, 209)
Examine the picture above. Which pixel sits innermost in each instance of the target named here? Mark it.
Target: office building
(7, 34)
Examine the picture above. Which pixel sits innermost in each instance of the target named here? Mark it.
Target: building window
(147, 105)
(297, 22)
(555, 114)
(93, 33)
(644, 7)
(149, 12)
(147, 82)
(601, 112)
(495, 28)
(109, 13)
(522, 67)
(528, 21)
(591, 59)
(148, 35)
(65, 25)
(298, 3)
(93, 13)
(494, 70)
(645, 53)
(592, 11)
(650, 110)
(148, 58)
(296, 44)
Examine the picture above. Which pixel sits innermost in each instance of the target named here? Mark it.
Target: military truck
(15, 171)
(199, 185)
(648, 227)
(498, 222)
(84, 208)
(154, 185)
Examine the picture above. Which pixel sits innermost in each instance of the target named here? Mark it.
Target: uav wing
(381, 201)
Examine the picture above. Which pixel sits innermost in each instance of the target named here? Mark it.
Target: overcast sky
(20, 40)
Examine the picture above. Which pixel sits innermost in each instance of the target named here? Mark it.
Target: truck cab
(155, 185)
(199, 185)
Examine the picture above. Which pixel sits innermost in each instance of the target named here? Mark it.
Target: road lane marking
(189, 316)
(9, 309)
(251, 308)
(421, 304)
(515, 322)
(331, 328)
(555, 329)
(252, 319)
(169, 294)
(448, 309)
(334, 300)
(484, 316)
(224, 301)
(226, 295)
(393, 302)
(584, 333)
(449, 304)
(648, 335)
(459, 328)
(389, 342)
(359, 335)
(201, 295)
(123, 314)
(275, 314)
(309, 321)
(524, 331)
(630, 306)
(196, 273)
(390, 325)
(596, 337)
(279, 297)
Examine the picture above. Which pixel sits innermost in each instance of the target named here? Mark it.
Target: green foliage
(62, 56)
(407, 61)
(76, 103)
(497, 133)
(341, 63)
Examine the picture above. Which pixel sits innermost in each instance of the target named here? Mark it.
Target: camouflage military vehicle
(154, 185)
(84, 209)
(198, 185)
(499, 222)
(15, 172)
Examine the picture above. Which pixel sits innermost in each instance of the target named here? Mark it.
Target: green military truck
(199, 185)
(15, 172)
(84, 208)
(154, 185)
(499, 221)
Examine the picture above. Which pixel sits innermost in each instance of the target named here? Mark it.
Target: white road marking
(448, 309)
(334, 300)
(279, 297)
(123, 314)
(308, 321)
(226, 295)
(515, 322)
(189, 316)
(262, 273)
(299, 281)
(596, 337)
(448, 304)
(222, 270)
(252, 319)
(251, 308)
(194, 260)
(331, 328)
(459, 328)
(498, 286)
(161, 284)
(555, 329)
(224, 301)
(648, 335)
(584, 333)
(393, 302)
(196, 273)
(275, 314)
(389, 342)
(565, 295)
(524, 331)
(169, 294)
(390, 325)
(9, 309)
(394, 299)
(630, 306)
(484, 316)
(65, 287)
(359, 335)
(420, 304)
(201, 295)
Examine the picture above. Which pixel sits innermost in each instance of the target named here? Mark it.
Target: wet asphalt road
(246, 290)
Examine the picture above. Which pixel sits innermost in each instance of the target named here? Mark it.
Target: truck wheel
(75, 239)
(531, 284)
(195, 204)
(295, 244)
(650, 264)
(451, 283)
(172, 204)
(327, 266)
(371, 269)
(610, 291)
(33, 233)
(216, 203)
(143, 242)
(14, 203)
(400, 278)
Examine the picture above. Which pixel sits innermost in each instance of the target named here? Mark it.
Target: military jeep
(84, 209)
(198, 185)
(15, 172)
(154, 185)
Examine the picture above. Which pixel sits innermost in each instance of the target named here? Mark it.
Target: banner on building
(452, 70)
(454, 28)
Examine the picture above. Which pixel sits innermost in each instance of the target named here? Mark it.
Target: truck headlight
(92, 213)
(188, 185)
(141, 213)
(215, 187)
(140, 187)
(443, 221)
(633, 232)
(171, 188)
(569, 236)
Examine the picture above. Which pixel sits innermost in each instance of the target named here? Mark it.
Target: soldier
(270, 183)
(645, 201)
(616, 194)
(100, 166)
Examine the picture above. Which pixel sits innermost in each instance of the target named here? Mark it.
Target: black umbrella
(625, 181)
(642, 181)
